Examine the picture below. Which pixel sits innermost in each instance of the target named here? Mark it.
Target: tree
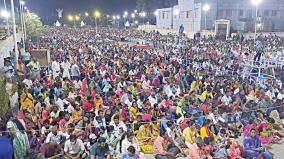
(141, 5)
(4, 97)
(34, 25)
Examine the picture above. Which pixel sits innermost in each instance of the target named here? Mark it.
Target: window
(187, 14)
(266, 13)
(163, 15)
(274, 13)
(228, 13)
(241, 13)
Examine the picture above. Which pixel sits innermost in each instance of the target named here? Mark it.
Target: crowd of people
(101, 97)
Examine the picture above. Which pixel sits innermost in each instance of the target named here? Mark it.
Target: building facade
(241, 13)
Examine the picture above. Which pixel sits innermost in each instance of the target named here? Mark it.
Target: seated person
(130, 154)
(130, 140)
(190, 133)
(252, 146)
(100, 150)
(164, 147)
(197, 150)
(146, 136)
(51, 150)
(74, 148)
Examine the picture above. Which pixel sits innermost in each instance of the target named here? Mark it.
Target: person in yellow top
(206, 94)
(77, 114)
(206, 132)
(27, 102)
(194, 87)
(146, 135)
(134, 112)
(190, 133)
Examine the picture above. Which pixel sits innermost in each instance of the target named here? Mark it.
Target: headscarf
(20, 141)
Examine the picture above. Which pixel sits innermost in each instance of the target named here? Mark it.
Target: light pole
(143, 15)
(71, 19)
(175, 13)
(97, 15)
(256, 3)
(22, 3)
(133, 16)
(118, 18)
(6, 15)
(206, 8)
(14, 31)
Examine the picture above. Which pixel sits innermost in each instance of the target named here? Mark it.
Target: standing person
(252, 146)
(6, 145)
(75, 71)
(55, 66)
(65, 65)
(21, 69)
(21, 144)
(26, 57)
(35, 68)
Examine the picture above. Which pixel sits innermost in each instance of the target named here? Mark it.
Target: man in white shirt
(117, 124)
(55, 66)
(74, 147)
(130, 140)
(55, 135)
(65, 65)
(226, 99)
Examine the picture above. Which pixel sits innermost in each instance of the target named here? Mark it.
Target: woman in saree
(21, 144)
(27, 102)
(146, 135)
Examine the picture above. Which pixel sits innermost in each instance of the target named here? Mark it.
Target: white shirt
(152, 100)
(60, 104)
(125, 144)
(117, 127)
(75, 147)
(55, 138)
(226, 100)
(280, 96)
(55, 66)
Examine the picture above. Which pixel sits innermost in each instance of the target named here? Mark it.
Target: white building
(241, 14)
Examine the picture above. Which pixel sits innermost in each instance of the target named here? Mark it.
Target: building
(241, 13)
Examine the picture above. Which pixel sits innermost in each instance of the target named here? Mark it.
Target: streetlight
(206, 8)
(86, 14)
(118, 17)
(136, 22)
(14, 32)
(77, 17)
(256, 3)
(22, 3)
(6, 15)
(97, 15)
(143, 15)
(174, 12)
(133, 16)
(125, 14)
(156, 13)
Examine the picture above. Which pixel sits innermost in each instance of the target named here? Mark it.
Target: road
(6, 46)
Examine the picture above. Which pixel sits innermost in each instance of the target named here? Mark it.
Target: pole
(255, 24)
(205, 22)
(14, 31)
(22, 23)
(7, 19)
(25, 29)
(96, 25)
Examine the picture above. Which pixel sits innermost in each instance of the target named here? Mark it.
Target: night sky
(46, 9)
